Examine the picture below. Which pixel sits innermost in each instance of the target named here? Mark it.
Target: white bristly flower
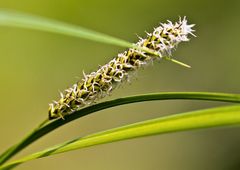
(100, 83)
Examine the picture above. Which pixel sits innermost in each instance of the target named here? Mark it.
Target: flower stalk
(101, 83)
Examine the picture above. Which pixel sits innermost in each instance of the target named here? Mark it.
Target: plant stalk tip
(177, 62)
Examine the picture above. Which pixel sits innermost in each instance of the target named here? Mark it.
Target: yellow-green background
(34, 66)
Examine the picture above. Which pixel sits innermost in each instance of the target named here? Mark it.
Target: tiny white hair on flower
(100, 83)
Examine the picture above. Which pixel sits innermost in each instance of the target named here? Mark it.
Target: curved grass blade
(220, 116)
(22, 20)
(43, 130)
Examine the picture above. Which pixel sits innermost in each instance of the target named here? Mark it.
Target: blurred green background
(35, 65)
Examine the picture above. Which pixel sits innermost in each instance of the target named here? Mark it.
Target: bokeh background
(35, 65)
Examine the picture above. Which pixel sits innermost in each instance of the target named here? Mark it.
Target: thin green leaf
(220, 116)
(43, 130)
(22, 20)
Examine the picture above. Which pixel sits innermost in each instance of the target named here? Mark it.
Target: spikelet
(99, 84)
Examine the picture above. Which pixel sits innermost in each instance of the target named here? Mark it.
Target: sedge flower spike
(100, 83)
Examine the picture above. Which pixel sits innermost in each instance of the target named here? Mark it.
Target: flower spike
(100, 83)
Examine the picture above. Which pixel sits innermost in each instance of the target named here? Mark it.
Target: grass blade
(220, 116)
(39, 132)
(22, 20)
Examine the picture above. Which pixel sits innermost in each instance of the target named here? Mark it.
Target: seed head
(100, 83)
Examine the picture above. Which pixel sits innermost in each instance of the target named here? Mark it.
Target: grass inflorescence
(100, 83)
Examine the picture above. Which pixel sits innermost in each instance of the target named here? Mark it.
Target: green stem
(177, 62)
(43, 130)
